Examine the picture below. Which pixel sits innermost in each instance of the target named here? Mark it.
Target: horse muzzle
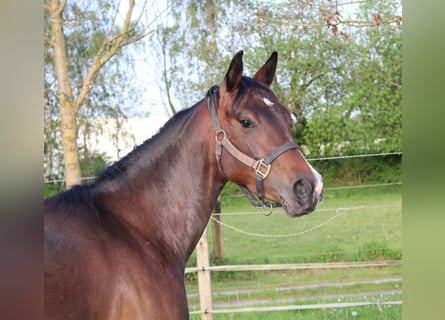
(305, 196)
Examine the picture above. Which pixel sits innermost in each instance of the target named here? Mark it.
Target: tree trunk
(68, 111)
(69, 131)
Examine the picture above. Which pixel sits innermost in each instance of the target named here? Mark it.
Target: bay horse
(117, 248)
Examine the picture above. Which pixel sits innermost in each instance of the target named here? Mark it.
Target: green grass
(370, 231)
(373, 312)
(359, 234)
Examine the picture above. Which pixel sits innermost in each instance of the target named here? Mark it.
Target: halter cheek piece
(261, 167)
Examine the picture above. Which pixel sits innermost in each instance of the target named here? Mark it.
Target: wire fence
(90, 178)
(374, 220)
(356, 156)
(241, 304)
(339, 212)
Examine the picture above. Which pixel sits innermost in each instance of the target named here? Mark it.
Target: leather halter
(261, 166)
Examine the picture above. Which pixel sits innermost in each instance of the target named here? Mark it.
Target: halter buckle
(262, 169)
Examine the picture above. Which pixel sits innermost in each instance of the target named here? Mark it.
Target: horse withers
(117, 248)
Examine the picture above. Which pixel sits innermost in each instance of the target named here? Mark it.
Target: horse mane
(85, 192)
(117, 169)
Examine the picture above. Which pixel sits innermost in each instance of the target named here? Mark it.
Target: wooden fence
(204, 268)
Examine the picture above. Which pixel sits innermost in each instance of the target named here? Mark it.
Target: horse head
(253, 129)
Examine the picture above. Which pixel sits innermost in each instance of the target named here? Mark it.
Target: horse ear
(267, 72)
(235, 72)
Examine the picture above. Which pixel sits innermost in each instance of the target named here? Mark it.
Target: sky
(146, 71)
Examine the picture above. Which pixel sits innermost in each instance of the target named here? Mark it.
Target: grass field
(357, 224)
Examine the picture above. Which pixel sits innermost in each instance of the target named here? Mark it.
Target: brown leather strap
(248, 161)
(268, 161)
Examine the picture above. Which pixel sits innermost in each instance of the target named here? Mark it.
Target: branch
(61, 8)
(350, 2)
(332, 20)
(104, 54)
(377, 21)
(112, 45)
(312, 80)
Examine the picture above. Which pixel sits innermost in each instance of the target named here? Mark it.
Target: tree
(367, 117)
(109, 32)
(325, 73)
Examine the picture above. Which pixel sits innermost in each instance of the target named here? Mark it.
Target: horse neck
(171, 188)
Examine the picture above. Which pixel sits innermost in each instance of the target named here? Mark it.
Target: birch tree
(113, 28)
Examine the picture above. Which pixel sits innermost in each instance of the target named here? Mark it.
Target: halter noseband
(261, 167)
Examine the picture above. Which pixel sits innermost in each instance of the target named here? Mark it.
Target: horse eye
(246, 123)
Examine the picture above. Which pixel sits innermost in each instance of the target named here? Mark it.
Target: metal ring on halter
(270, 205)
(218, 132)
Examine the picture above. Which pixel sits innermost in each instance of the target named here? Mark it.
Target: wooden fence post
(204, 282)
(218, 240)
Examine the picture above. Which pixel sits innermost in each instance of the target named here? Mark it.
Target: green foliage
(368, 117)
(50, 189)
(356, 171)
(343, 82)
(92, 162)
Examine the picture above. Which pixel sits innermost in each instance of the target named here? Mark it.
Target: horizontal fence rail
(300, 307)
(336, 284)
(297, 266)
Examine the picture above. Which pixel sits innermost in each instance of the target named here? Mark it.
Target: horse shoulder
(78, 275)
(92, 273)
(149, 288)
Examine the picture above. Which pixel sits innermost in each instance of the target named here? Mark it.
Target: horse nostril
(302, 190)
